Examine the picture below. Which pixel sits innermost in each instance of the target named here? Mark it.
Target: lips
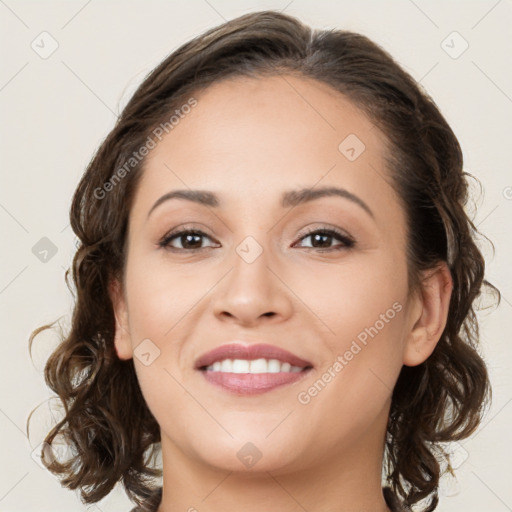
(237, 350)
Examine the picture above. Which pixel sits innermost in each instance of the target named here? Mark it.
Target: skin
(249, 140)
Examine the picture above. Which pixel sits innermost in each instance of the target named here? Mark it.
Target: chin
(247, 452)
(249, 459)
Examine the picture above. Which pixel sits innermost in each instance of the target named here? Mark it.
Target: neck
(349, 479)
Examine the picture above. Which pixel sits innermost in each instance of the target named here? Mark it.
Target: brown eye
(189, 240)
(322, 239)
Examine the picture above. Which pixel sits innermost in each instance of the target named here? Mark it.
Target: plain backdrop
(68, 68)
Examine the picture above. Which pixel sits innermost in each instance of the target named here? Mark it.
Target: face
(323, 278)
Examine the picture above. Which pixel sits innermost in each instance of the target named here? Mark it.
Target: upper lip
(237, 350)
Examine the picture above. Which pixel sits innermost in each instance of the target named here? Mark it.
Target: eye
(322, 238)
(189, 240)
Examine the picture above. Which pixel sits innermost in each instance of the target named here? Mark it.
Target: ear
(122, 338)
(429, 315)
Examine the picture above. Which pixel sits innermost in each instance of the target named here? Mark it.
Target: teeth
(274, 366)
(257, 366)
(226, 365)
(240, 366)
(252, 366)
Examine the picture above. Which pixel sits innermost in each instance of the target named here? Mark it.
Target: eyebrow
(290, 198)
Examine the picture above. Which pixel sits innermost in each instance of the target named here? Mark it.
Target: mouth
(251, 369)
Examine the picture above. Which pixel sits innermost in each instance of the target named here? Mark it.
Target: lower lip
(252, 383)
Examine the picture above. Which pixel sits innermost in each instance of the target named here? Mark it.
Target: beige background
(56, 110)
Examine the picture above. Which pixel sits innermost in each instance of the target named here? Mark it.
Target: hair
(107, 422)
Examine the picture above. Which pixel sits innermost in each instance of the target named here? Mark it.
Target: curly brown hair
(107, 422)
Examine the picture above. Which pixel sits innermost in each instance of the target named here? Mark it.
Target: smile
(252, 366)
(252, 377)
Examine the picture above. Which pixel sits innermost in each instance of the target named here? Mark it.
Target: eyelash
(348, 242)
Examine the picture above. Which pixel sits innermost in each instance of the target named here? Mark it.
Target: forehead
(250, 139)
(267, 117)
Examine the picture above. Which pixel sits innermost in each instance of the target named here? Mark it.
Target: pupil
(188, 238)
(320, 236)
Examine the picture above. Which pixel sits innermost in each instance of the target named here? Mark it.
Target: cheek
(162, 301)
(159, 299)
(362, 313)
(161, 295)
(353, 296)
(353, 387)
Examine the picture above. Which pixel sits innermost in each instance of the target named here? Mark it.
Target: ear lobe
(122, 340)
(433, 301)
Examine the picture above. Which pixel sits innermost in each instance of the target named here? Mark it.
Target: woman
(275, 284)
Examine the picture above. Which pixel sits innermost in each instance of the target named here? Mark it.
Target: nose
(252, 293)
